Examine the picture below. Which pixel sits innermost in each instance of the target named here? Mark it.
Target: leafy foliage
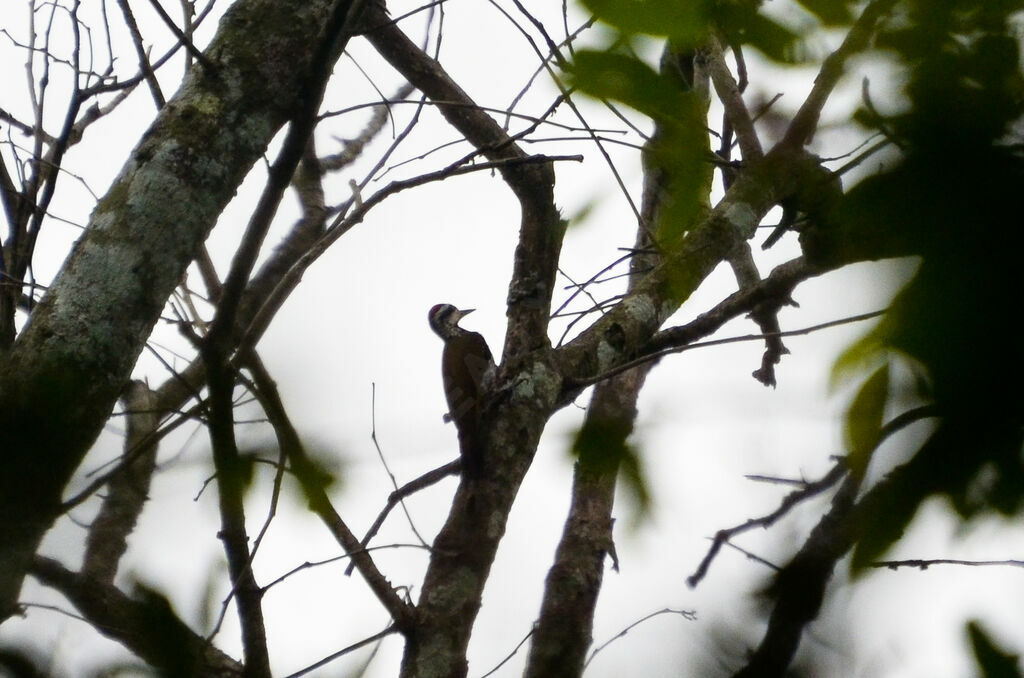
(601, 446)
(993, 661)
(864, 419)
(956, 197)
(679, 149)
(687, 24)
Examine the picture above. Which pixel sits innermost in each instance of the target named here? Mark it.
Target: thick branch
(540, 234)
(231, 481)
(127, 490)
(805, 122)
(61, 378)
(799, 588)
(145, 625)
(563, 632)
(624, 331)
(466, 546)
(732, 99)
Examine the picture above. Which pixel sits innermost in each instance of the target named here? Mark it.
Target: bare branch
(338, 29)
(689, 615)
(804, 123)
(230, 494)
(400, 493)
(509, 656)
(799, 587)
(562, 634)
(354, 147)
(347, 650)
(536, 262)
(346, 221)
(657, 355)
(563, 631)
(765, 314)
(732, 99)
(145, 66)
(184, 39)
(807, 491)
(127, 490)
(146, 625)
(925, 564)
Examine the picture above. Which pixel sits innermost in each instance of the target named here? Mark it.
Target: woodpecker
(466, 368)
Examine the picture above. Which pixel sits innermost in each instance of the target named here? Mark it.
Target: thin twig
(689, 615)
(925, 564)
(657, 355)
(424, 481)
(344, 651)
(384, 463)
(313, 484)
(808, 491)
(732, 99)
(511, 654)
(183, 38)
(804, 123)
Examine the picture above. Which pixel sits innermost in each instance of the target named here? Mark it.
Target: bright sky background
(357, 325)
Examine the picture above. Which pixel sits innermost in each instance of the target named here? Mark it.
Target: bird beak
(465, 312)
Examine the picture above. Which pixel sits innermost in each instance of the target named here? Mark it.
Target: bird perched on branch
(466, 370)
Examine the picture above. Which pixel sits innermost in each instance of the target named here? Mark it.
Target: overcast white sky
(359, 320)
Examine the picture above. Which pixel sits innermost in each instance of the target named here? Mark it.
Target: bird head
(444, 319)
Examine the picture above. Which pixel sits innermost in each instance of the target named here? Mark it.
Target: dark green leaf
(610, 75)
(993, 661)
(680, 147)
(684, 22)
(771, 38)
(741, 24)
(601, 449)
(635, 483)
(954, 199)
(863, 425)
(865, 354)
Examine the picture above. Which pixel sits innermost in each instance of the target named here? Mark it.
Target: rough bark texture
(563, 632)
(624, 331)
(465, 548)
(127, 491)
(61, 378)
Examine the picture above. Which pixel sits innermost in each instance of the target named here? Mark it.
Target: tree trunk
(65, 371)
